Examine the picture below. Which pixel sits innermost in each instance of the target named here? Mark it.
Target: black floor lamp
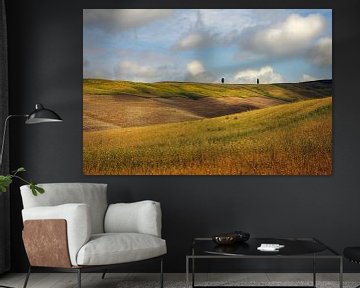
(39, 115)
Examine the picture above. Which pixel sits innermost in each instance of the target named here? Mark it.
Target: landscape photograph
(207, 92)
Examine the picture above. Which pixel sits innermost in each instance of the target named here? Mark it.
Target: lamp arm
(4, 134)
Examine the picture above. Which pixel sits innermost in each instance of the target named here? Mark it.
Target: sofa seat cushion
(113, 248)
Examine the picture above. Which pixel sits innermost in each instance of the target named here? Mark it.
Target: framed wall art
(207, 92)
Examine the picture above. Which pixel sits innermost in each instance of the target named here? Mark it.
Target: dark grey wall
(45, 50)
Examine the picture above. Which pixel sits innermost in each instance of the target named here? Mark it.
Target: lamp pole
(2, 152)
(39, 115)
(4, 134)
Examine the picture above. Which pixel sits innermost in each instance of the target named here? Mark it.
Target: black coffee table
(295, 248)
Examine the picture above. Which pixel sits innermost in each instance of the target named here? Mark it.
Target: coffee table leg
(193, 272)
(341, 273)
(187, 272)
(314, 271)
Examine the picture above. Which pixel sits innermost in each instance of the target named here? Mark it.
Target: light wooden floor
(113, 280)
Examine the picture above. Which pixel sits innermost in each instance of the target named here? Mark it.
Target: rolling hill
(114, 104)
(287, 139)
(191, 90)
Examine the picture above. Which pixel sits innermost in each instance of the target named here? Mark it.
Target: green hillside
(285, 91)
(294, 139)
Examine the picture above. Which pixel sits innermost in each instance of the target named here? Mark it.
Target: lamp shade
(42, 115)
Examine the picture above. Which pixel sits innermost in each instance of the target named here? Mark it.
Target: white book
(270, 247)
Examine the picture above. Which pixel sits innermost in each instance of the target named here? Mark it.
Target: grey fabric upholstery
(114, 248)
(138, 217)
(55, 194)
(133, 230)
(77, 216)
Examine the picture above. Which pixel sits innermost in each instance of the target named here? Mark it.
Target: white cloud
(265, 74)
(306, 77)
(146, 72)
(192, 41)
(321, 53)
(212, 28)
(110, 20)
(224, 20)
(195, 67)
(228, 24)
(197, 36)
(198, 73)
(289, 37)
(128, 70)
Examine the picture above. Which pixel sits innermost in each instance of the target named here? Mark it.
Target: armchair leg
(161, 273)
(27, 277)
(79, 277)
(103, 275)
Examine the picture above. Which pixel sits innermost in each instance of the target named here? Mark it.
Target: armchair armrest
(77, 219)
(138, 217)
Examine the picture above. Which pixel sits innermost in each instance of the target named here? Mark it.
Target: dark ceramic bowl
(231, 238)
(225, 239)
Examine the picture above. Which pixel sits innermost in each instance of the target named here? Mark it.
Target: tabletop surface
(292, 247)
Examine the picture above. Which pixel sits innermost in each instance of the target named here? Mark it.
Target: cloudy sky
(148, 45)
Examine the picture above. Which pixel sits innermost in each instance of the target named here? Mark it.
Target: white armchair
(72, 228)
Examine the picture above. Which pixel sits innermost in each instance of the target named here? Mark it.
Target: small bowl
(225, 239)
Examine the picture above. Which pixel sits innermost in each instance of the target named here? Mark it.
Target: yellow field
(286, 92)
(112, 111)
(287, 139)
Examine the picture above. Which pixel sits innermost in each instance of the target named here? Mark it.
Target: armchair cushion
(92, 194)
(78, 221)
(113, 248)
(138, 217)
